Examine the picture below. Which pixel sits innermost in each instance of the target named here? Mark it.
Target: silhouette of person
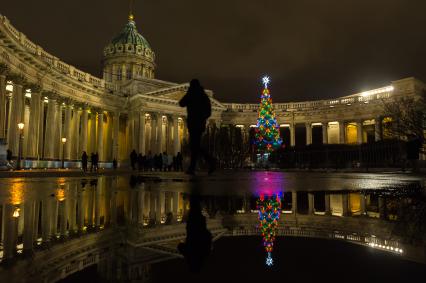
(198, 244)
(133, 159)
(198, 108)
(84, 158)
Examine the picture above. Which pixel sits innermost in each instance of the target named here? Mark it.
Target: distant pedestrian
(114, 164)
(179, 162)
(84, 158)
(133, 159)
(9, 155)
(198, 107)
(165, 161)
(96, 162)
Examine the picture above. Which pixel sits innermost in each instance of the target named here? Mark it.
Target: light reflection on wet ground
(71, 207)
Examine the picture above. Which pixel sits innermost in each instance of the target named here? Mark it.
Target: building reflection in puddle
(72, 223)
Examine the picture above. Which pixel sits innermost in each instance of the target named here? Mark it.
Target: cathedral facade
(65, 111)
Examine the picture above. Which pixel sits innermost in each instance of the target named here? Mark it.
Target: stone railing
(364, 97)
(51, 60)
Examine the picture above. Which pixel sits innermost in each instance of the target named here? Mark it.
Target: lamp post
(64, 140)
(21, 137)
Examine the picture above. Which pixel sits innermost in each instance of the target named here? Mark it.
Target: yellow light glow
(64, 140)
(16, 212)
(21, 126)
(17, 193)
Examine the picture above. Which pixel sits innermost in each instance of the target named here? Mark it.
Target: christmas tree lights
(267, 135)
(269, 208)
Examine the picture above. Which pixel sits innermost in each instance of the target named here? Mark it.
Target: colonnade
(56, 127)
(333, 132)
(154, 133)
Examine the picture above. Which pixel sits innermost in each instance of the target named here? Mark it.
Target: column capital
(17, 79)
(51, 95)
(35, 88)
(4, 70)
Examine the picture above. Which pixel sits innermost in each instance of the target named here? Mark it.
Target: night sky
(311, 49)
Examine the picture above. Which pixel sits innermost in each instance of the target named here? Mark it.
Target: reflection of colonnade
(28, 221)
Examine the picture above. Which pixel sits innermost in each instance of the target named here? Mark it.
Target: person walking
(96, 162)
(198, 107)
(84, 158)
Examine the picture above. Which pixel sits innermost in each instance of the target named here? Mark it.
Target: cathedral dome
(130, 35)
(128, 55)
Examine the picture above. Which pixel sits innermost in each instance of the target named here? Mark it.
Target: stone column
(97, 192)
(100, 148)
(175, 204)
(63, 218)
(34, 124)
(152, 208)
(115, 134)
(159, 133)
(141, 205)
(363, 206)
(176, 138)
(3, 100)
(16, 116)
(169, 145)
(153, 142)
(359, 132)
(294, 202)
(92, 132)
(83, 136)
(342, 133)
(28, 226)
(292, 135)
(67, 132)
(378, 129)
(41, 127)
(49, 136)
(382, 208)
(327, 204)
(311, 208)
(113, 205)
(136, 128)
(75, 153)
(46, 225)
(80, 211)
(142, 133)
(58, 132)
(10, 232)
(308, 133)
(162, 206)
(345, 204)
(325, 133)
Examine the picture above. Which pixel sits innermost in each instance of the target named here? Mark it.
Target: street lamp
(64, 140)
(21, 137)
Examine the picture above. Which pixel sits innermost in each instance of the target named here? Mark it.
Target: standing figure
(92, 161)
(133, 159)
(198, 107)
(84, 158)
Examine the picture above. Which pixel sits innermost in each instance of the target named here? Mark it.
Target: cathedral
(51, 110)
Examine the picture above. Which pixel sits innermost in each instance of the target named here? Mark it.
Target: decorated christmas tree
(267, 136)
(269, 213)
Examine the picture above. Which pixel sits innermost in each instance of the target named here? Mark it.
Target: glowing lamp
(21, 126)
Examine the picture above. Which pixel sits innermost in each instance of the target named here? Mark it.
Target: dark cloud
(311, 49)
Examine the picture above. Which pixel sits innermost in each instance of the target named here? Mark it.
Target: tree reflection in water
(269, 207)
